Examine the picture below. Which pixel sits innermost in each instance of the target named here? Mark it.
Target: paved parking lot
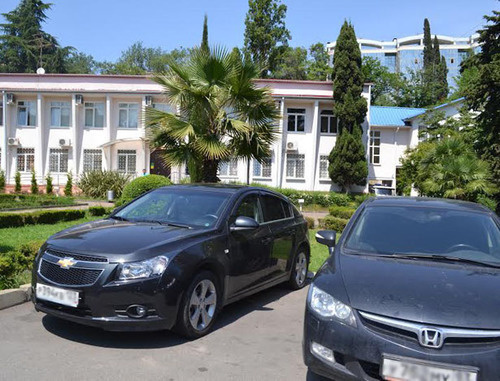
(258, 338)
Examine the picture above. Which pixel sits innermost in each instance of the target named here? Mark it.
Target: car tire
(200, 306)
(300, 268)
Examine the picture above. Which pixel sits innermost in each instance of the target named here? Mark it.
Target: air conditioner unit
(13, 141)
(64, 142)
(10, 99)
(291, 146)
(78, 99)
(149, 100)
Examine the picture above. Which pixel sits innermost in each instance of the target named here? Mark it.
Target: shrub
(334, 223)
(8, 201)
(34, 184)
(360, 198)
(141, 185)
(2, 181)
(15, 262)
(95, 184)
(97, 211)
(9, 220)
(341, 211)
(68, 189)
(310, 222)
(48, 184)
(339, 199)
(17, 179)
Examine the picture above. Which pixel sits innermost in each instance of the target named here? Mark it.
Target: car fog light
(137, 311)
(322, 352)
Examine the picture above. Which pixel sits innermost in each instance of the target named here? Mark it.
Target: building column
(315, 134)
(142, 126)
(40, 149)
(74, 127)
(281, 145)
(109, 164)
(5, 147)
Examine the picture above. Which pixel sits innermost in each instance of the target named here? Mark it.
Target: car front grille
(74, 276)
(77, 257)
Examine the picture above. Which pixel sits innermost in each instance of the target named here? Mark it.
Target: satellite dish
(40, 70)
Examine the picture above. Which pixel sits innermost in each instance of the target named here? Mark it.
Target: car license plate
(57, 295)
(401, 368)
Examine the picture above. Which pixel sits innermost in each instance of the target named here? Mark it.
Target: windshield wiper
(119, 218)
(437, 257)
(165, 223)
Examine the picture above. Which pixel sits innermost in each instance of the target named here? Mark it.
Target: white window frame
(60, 106)
(90, 158)
(330, 118)
(92, 107)
(295, 115)
(230, 168)
(323, 159)
(127, 153)
(31, 117)
(25, 152)
(127, 107)
(375, 141)
(58, 154)
(295, 158)
(261, 168)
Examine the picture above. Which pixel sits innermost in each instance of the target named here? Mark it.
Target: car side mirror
(243, 223)
(326, 237)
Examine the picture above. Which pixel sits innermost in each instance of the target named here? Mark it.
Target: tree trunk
(209, 171)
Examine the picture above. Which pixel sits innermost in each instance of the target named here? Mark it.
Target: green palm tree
(451, 169)
(221, 113)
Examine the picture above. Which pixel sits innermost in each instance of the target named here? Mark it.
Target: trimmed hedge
(142, 185)
(100, 211)
(15, 262)
(12, 201)
(341, 211)
(12, 220)
(333, 223)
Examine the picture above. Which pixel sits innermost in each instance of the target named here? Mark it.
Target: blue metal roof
(392, 116)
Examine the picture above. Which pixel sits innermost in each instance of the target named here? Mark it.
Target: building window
(328, 122)
(92, 160)
(126, 161)
(60, 114)
(94, 114)
(262, 169)
(25, 159)
(416, 61)
(296, 119)
(295, 165)
(228, 168)
(374, 147)
(452, 60)
(26, 113)
(128, 115)
(165, 107)
(323, 167)
(58, 160)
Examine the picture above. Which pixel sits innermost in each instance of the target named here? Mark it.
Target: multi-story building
(56, 123)
(406, 54)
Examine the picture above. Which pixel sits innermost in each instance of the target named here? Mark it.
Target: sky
(105, 28)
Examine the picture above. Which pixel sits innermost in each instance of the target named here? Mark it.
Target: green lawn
(318, 252)
(12, 238)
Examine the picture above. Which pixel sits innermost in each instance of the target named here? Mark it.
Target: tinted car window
(286, 208)
(411, 230)
(249, 207)
(273, 208)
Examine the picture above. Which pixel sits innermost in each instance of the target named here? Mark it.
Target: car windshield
(182, 207)
(394, 230)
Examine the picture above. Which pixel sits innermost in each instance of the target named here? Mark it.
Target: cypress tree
(347, 159)
(34, 184)
(428, 50)
(204, 37)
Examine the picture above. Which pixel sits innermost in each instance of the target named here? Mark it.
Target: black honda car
(410, 292)
(172, 258)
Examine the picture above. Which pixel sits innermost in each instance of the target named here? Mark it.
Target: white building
(56, 123)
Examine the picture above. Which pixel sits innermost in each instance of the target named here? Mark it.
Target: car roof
(427, 202)
(222, 188)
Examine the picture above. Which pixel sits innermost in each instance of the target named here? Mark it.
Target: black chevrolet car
(172, 258)
(410, 292)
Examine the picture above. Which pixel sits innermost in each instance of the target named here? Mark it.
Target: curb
(15, 296)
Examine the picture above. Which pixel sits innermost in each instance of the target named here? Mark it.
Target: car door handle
(267, 240)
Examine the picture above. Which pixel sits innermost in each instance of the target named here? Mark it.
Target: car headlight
(327, 306)
(144, 269)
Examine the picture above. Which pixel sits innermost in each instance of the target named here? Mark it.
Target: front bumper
(104, 304)
(358, 351)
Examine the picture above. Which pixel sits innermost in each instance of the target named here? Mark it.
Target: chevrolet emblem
(66, 263)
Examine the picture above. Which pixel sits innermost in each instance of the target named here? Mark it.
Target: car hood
(423, 291)
(121, 240)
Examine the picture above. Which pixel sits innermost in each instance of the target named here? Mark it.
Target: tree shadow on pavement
(158, 339)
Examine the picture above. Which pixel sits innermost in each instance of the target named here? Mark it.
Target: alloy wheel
(202, 305)
(301, 269)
